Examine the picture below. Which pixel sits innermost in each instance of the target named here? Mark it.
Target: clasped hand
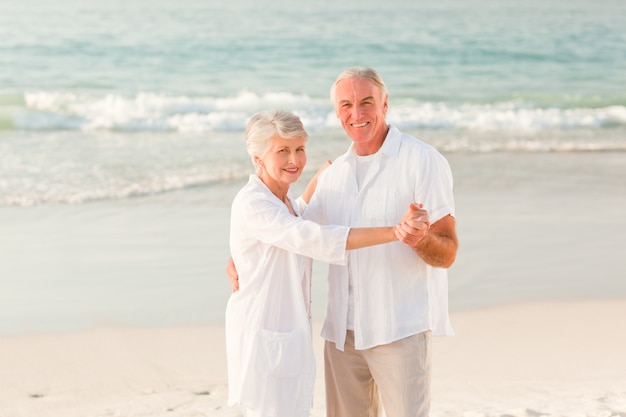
(413, 226)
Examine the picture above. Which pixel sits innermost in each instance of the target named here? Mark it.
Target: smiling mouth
(292, 170)
(360, 124)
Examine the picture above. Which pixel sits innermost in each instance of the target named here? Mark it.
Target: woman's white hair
(264, 126)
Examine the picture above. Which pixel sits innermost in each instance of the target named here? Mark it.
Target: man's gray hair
(263, 126)
(359, 72)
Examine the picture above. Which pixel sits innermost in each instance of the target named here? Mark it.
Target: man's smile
(360, 124)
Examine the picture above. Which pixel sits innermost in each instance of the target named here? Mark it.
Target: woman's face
(284, 161)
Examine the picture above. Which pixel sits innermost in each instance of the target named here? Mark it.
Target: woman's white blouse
(271, 367)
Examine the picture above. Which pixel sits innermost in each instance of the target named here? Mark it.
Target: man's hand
(436, 244)
(231, 273)
(414, 225)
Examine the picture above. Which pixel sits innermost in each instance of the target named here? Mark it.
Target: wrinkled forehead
(356, 89)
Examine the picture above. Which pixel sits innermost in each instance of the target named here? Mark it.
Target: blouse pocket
(280, 353)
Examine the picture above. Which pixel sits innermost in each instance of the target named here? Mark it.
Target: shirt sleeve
(270, 222)
(314, 211)
(302, 205)
(435, 187)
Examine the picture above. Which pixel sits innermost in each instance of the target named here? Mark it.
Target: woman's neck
(278, 189)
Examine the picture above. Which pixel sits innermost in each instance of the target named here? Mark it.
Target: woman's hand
(414, 225)
(231, 273)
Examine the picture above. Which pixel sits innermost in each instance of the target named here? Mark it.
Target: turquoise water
(555, 52)
(150, 86)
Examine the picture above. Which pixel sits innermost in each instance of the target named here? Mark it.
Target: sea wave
(74, 176)
(116, 147)
(41, 192)
(148, 111)
(506, 116)
(79, 174)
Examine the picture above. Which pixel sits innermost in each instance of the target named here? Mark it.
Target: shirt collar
(390, 148)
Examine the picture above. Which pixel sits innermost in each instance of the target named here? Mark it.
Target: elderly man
(387, 301)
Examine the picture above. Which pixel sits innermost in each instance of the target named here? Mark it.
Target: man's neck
(372, 146)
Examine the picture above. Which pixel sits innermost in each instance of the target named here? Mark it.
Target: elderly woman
(271, 367)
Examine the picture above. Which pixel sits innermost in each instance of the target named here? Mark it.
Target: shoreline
(532, 227)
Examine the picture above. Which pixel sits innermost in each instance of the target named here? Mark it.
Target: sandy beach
(527, 360)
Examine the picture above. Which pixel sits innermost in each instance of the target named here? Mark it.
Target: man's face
(361, 109)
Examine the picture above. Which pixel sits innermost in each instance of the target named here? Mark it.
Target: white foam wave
(157, 112)
(150, 111)
(504, 116)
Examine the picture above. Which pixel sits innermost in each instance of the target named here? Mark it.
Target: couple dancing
(382, 216)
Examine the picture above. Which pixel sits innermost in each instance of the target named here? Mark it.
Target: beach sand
(541, 359)
(538, 296)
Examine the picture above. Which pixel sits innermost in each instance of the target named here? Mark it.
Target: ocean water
(114, 99)
(113, 103)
